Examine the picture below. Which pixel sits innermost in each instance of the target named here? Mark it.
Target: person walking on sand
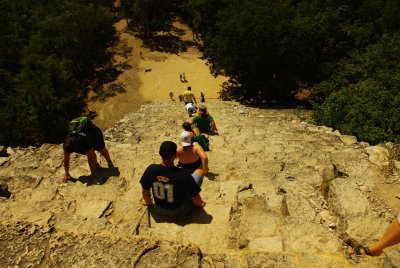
(191, 155)
(84, 137)
(171, 95)
(391, 237)
(188, 96)
(175, 192)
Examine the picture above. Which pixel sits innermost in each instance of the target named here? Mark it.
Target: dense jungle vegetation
(346, 51)
(49, 52)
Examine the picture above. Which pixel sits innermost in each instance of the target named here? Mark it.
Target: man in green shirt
(204, 121)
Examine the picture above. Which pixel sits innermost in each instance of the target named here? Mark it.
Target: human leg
(390, 237)
(198, 176)
(104, 152)
(92, 160)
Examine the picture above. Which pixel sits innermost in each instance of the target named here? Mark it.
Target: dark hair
(187, 126)
(167, 149)
(189, 88)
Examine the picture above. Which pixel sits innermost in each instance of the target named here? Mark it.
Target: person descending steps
(84, 137)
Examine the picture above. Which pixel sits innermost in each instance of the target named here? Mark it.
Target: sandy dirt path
(152, 75)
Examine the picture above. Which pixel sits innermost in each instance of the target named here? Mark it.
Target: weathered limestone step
(280, 191)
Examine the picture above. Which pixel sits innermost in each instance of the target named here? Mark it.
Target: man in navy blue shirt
(174, 190)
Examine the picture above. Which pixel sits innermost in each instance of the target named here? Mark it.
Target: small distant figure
(202, 97)
(180, 77)
(184, 78)
(180, 98)
(171, 95)
(191, 109)
(188, 96)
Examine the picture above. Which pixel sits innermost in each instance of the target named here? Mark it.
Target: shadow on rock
(199, 216)
(212, 176)
(102, 176)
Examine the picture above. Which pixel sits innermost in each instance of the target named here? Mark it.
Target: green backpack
(78, 126)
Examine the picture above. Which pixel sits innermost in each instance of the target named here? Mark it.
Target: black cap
(168, 149)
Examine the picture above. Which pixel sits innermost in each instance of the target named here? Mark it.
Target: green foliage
(267, 46)
(201, 15)
(49, 52)
(250, 45)
(149, 16)
(364, 93)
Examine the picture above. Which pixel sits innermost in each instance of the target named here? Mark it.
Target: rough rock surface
(281, 192)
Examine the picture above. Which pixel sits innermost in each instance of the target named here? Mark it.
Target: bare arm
(198, 202)
(213, 126)
(196, 131)
(203, 156)
(147, 197)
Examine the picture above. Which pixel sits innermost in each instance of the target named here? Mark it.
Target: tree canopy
(345, 51)
(49, 53)
(364, 93)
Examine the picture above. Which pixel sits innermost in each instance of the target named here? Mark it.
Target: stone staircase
(280, 192)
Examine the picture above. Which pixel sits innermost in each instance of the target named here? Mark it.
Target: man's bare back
(189, 154)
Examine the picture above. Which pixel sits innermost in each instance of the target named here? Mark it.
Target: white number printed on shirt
(162, 191)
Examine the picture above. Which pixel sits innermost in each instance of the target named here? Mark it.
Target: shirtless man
(191, 155)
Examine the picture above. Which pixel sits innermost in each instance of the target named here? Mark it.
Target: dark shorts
(192, 166)
(96, 139)
(81, 143)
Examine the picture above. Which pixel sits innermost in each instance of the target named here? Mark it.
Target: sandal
(361, 250)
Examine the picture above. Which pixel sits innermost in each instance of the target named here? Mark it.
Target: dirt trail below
(150, 75)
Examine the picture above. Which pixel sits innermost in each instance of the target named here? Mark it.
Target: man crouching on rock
(85, 140)
(174, 190)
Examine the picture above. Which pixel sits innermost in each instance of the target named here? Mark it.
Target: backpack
(78, 126)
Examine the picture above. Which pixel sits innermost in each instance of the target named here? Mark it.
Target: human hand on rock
(66, 177)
